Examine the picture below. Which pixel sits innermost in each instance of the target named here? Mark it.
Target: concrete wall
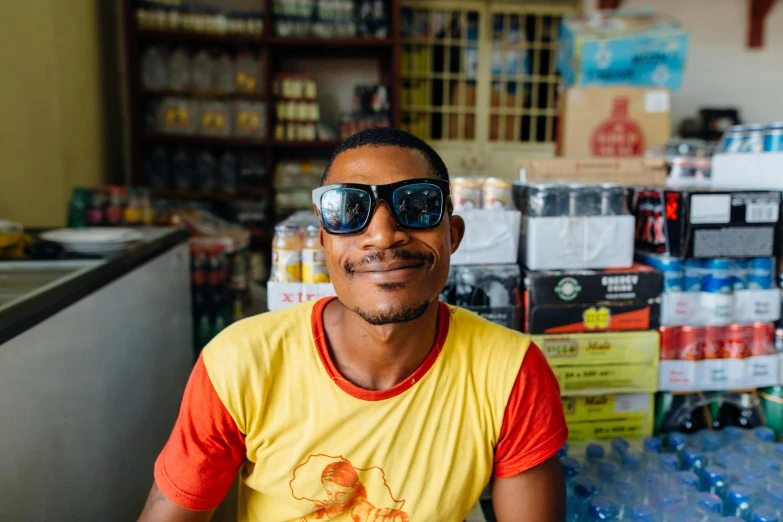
(721, 71)
(52, 130)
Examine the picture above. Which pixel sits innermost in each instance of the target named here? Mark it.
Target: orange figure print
(340, 492)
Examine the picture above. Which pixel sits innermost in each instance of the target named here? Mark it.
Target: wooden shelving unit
(276, 52)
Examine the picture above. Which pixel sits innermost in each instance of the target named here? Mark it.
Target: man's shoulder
(259, 337)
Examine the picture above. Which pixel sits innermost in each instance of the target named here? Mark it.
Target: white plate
(102, 241)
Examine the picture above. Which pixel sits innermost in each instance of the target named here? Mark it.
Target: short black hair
(389, 137)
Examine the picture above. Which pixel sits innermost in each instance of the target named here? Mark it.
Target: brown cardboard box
(613, 121)
(627, 171)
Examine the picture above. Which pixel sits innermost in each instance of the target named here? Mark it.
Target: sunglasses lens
(345, 210)
(419, 205)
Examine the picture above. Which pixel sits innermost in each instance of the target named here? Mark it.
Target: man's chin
(395, 314)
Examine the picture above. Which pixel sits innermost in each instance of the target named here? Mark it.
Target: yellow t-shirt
(265, 400)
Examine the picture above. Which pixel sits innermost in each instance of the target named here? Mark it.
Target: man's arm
(158, 508)
(535, 495)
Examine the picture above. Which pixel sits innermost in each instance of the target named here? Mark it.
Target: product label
(707, 209)
(314, 266)
(597, 318)
(632, 402)
(213, 121)
(619, 348)
(761, 212)
(246, 82)
(656, 101)
(286, 266)
(177, 117)
(248, 120)
(613, 378)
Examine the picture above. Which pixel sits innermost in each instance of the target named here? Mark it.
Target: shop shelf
(315, 144)
(188, 36)
(197, 139)
(206, 94)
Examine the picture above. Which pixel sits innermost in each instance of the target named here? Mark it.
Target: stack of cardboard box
(619, 68)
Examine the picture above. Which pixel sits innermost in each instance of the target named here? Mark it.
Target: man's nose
(383, 232)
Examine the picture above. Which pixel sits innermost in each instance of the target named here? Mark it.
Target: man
(382, 404)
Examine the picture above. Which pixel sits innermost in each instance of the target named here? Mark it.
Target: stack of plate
(94, 241)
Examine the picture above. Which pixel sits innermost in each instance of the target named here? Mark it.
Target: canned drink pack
(670, 342)
(773, 137)
(731, 142)
(572, 199)
(496, 194)
(739, 339)
(753, 139)
(466, 192)
(672, 270)
(692, 275)
(739, 274)
(717, 276)
(691, 346)
(696, 343)
(761, 272)
(763, 339)
(715, 339)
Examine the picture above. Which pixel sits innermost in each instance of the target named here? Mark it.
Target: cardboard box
(563, 243)
(280, 295)
(592, 300)
(648, 172)
(622, 47)
(612, 122)
(491, 237)
(491, 291)
(609, 416)
(595, 363)
(702, 223)
(762, 170)
(703, 308)
(719, 374)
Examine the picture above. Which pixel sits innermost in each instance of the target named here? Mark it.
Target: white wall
(721, 71)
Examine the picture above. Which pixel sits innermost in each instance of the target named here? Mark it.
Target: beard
(396, 315)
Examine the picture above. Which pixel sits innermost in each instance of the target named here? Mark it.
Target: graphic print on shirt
(336, 490)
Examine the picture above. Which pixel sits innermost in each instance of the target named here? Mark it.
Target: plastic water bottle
(594, 454)
(570, 468)
(732, 434)
(672, 505)
(707, 504)
(651, 448)
(619, 447)
(607, 471)
(668, 462)
(624, 493)
(563, 452)
(774, 498)
(688, 481)
(677, 441)
(765, 514)
(632, 464)
(602, 509)
(715, 480)
(764, 434)
(581, 490)
(641, 513)
(738, 502)
(693, 460)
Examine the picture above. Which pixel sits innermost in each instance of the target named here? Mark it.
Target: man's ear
(321, 235)
(457, 231)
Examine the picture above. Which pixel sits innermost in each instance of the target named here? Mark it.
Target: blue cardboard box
(635, 47)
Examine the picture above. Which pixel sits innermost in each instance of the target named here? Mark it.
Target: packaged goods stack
(299, 270)
(719, 304)
(701, 477)
(689, 162)
(294, 183)
(484, 276)
(197, 17)
(751, 157)
(332, 18)
(620, 67)
(591, 310)
(296, 107)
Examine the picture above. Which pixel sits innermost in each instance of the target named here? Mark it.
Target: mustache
(428, 259)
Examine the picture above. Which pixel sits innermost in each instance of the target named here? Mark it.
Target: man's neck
(377, 357)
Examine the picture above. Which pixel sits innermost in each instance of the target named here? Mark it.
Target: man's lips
(388, 267)
(397, 271)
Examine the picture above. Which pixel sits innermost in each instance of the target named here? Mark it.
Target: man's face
(388, 274)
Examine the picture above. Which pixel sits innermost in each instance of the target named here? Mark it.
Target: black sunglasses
(347, 208)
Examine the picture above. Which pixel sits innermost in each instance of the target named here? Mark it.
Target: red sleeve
(199, 462)
(534, 426)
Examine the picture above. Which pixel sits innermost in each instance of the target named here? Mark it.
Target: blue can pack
(693, 273)
(739, 274)
(731, 141)
(670, 267)
(773, 137)
(761, 273)
(717, 276)
(636, 47)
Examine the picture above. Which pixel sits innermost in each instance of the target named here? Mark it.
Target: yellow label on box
(610, 406)
(248, 120)
(599, 348)
(213, 120)
(632, 427)
(597, 318)
(177, 117)
(612, 378)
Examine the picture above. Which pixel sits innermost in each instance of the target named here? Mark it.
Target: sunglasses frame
(385, 193)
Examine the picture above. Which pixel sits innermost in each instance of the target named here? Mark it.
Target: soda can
(612, 199)
(731, 142)
(671, 268)
(496, 194)
(466, 192)
(739, 274)
(717, 278)
(691, 343)
(773, 137)
(580, 200)
(670, 343)
(761, 272)
(763, 339)
(544, 199)
(753, 139)
(738, 341)
(715, 339)
(693, 272)
(779, 340)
